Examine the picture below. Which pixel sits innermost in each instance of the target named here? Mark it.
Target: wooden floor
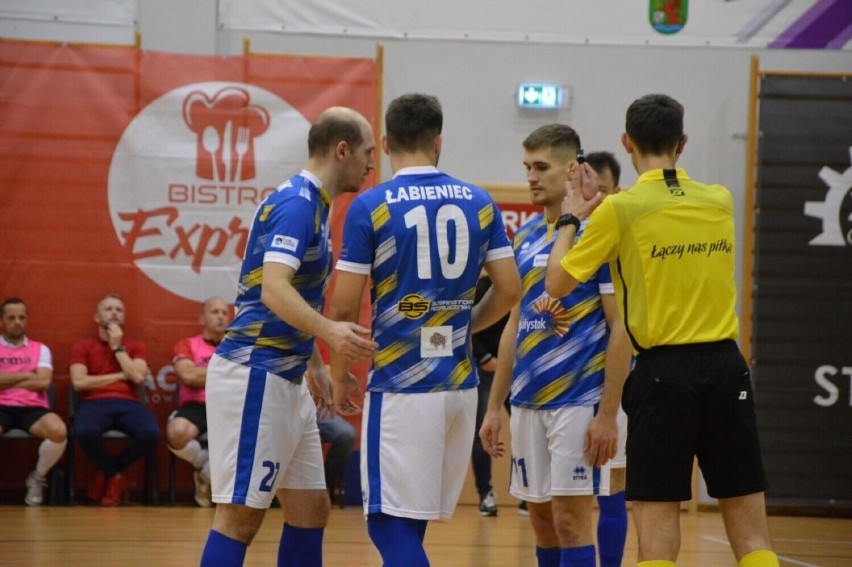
(136, 535)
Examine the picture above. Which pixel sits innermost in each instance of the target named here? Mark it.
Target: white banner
(745, 23)
(101, 12)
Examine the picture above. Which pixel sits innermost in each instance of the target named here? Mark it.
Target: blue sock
(222, 551)
(547, 556)
(577, 556)
(399, 540)
(300, 547)
(612, 529)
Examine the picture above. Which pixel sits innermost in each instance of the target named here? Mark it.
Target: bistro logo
(188, 174)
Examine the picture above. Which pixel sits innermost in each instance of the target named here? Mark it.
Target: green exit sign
(539, 95)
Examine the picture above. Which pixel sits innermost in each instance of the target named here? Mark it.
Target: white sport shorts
(262, 435)
(619, 461)
(547, 455)
(415, 450)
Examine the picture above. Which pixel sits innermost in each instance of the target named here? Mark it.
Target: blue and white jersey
(289, 227)
(561, 344)
(422, 238)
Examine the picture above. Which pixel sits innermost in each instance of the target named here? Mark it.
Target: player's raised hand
(350, 340)
(581, 191)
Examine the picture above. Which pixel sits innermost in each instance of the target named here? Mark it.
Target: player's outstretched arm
(284, 300)
(345, 308)
(558, 282)
(492, 423)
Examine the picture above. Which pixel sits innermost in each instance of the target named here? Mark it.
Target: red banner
(137, 173)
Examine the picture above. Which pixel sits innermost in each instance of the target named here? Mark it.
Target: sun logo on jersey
(413, 306)
(559, 320)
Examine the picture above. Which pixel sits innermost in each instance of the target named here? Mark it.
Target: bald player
(263, 436)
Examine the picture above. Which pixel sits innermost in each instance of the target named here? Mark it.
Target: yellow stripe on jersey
(595, 364)
(380, 216)
(521, 237)
(531, 278)
(531, 341)
(301, 280)
(583, 308)
(391, 353)
(326, 198)
(486, 216)
(253, 278)
(280, 343)
(439, 318)
(250, 330)
(386, 286)
(459, 374)
(554, 389)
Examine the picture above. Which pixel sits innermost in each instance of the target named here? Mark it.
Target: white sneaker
(35, 489)
(488, 505)
(202, 490)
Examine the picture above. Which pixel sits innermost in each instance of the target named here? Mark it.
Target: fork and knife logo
(225, 149)
(225, 125)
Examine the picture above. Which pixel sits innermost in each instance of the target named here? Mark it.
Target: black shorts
(20, 417)
(195, 413)
(685, 401)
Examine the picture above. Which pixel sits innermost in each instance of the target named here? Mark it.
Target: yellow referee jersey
(670, 244)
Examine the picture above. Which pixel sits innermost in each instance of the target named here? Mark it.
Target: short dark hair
(331, 128)
(412, 122)
(10, 301)
(556, 136)
(655, 124)
(605, 160)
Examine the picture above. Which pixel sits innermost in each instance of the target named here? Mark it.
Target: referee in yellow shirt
(669, 241)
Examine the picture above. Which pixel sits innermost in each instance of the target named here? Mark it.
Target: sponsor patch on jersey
(436, 341)
(413, 306)
(285, 242)
(540, 260)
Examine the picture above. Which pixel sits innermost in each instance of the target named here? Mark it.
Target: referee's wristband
(568, 219)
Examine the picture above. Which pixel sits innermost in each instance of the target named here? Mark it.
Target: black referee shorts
(688, 400)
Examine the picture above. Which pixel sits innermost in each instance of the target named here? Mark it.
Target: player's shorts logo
(413, 306)
(188, 174)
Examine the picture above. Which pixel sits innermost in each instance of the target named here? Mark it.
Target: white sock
(48, 454)
(205, 470)
(192, 453)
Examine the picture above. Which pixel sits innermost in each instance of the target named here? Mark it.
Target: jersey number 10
(416, 218)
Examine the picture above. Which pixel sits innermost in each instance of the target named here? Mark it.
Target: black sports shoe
(488, 505)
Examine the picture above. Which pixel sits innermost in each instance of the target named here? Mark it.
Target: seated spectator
(26, 371)
(190, 419)
(340, 435)
(107, 370)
